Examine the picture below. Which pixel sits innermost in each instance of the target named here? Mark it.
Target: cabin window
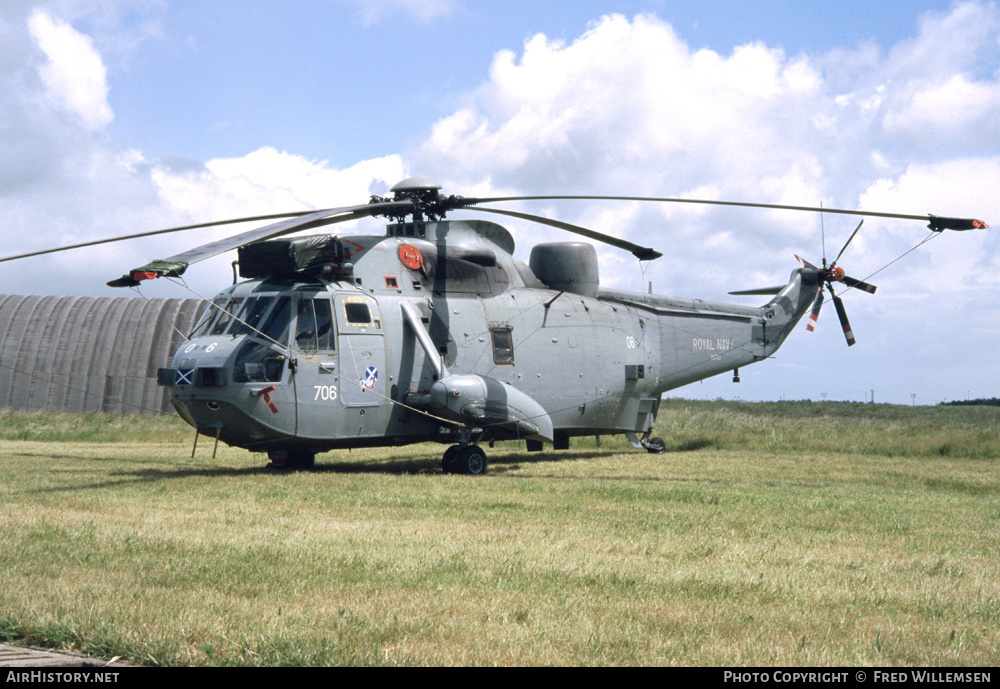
(503, 346)
(357, 314)
(314, 326)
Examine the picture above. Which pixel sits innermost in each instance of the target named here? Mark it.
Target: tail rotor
(829, 274)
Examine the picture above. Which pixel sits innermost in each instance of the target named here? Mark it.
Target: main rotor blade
(640, 252)
(122, 238)
(175, 266)
(278, 229)
(936, 223)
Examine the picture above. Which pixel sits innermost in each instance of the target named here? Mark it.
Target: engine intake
(567, 267)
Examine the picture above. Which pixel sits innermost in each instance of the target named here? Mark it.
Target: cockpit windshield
(227, 309)
(248, 320)
(208, 318)
(267, 318)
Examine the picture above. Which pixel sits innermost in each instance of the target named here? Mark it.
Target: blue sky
(333, 85)
(122, 116)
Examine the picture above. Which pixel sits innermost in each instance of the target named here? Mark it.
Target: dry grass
(737, 547)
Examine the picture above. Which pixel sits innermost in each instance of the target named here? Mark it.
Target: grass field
(768, 534)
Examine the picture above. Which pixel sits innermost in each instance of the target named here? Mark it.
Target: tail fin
(788, 307)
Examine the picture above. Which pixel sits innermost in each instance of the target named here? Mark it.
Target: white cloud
(961, 39)
(630, 94)
(267, 179)
(960, 109)
(63, 181)
(629, 108)
(958, 263)
(75, 74)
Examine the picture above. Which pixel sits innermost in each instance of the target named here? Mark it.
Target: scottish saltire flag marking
(371, 376)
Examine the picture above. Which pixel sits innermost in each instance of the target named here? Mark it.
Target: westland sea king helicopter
(435, 332)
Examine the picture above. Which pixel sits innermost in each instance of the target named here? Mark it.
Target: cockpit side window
(277, 325)
(260, 359)
(258, 363)
(324, 324)
(314, 325)
(305, 326)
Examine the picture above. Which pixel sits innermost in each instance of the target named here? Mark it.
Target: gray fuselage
(338, 359)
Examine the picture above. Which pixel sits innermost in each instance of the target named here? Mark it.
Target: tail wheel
(656, 446)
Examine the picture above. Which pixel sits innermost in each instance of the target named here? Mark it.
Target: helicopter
(435, 332)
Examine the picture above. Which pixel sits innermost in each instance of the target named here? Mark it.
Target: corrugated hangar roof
(89, 353)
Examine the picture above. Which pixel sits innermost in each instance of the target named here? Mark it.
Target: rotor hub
(423, 198)
(415, 186)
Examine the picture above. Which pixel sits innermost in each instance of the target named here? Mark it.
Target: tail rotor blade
(806, 263)
(847, 243)
(814, 316)
(858, 284)
(842, 314)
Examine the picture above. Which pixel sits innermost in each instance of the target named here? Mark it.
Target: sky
(123, 116)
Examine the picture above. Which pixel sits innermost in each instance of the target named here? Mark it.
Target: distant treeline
(991, 402)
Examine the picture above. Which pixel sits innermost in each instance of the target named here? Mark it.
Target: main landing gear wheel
(301, 460)
(449, 463)
(470, 459)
